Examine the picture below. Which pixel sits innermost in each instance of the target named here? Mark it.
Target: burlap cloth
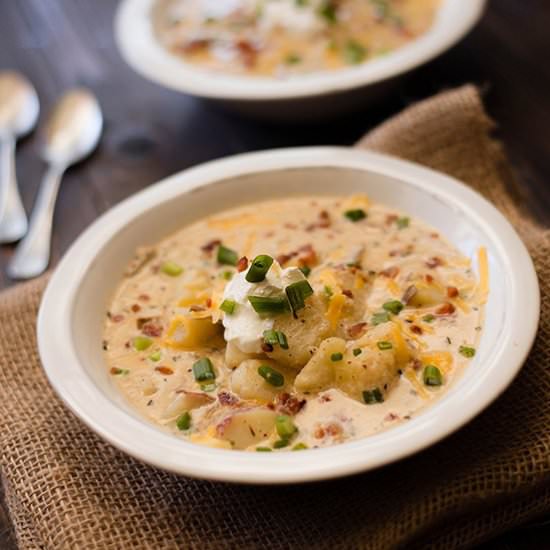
(66, 488)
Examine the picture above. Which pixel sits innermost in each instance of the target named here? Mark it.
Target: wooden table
(152, 132)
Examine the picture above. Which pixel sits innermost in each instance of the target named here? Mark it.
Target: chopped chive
(432, 376)
(227, 256)
(429, 318)
(328, 291)
(402, 223)
(467, 351)
(264, 449)
(155, 356)
(259, 268)
(327, 11)
(228, 306)
(384, 345)
(379, 318)
(300, 447)
(203, 370)
(280, 443)
(227, 275)
(297, 294)
(184, 421)
(141, 343)
(283, 342)
(285, 427)
(306, 270)
(292, 59)
(208, 387)
(336, 357)
(355, 215)
(269, 304)
(118, 372)
(357, 351)
(370, 397)
(301, 3)
(354, 52)
(393, 306)
(172, 269)
(271, 376)
(274, 337)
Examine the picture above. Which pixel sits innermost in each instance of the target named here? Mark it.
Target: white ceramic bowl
(311, 96)
(74, 305)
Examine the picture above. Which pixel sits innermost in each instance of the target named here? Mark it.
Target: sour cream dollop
(244, 328)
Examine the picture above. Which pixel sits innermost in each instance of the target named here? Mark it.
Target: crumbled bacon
(135, 308)
(416, 329)
(409, 294)
(429, 278)
(284, 258)
(248, 52)
(445, 309)
(266, 347)
(452, 291)
(357, 330)
(196, 307)
(434, 262)
(330, 429)
(406, 251)
(391, 218)
(347, 293)
(144, 297)
(392, 272)
(391, 416)
(117, 318)
(164, 370)
(289, 404)
(193, 46)
(210, 245)
(208, 302)
(227, 399)
(151, 329)
(323, 223)
(325, 398)
(416, 364)
(307, 255)
(242, 264)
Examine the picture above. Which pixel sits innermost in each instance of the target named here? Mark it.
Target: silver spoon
(72, 133)
(19, 109)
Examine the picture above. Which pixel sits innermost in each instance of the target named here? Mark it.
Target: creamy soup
(285, 37)
(294, 324)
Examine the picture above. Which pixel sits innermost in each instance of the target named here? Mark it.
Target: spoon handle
(32, 255)
(13, 220)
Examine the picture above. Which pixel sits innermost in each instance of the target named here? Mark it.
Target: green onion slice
(428, 318)
(172, 269)
(371, 397)
(259, 268)
(384, 345)
(467, 351)
(336, 357)
(264, 449)
(300, 447)
(141, 343)
(432, 376)
(393, 306)
(280, 443)
(155, 356)
(379, 318)
(227, 256)
(271, 376)
(306, 270)
(228, 306)
(355, 215)
(285, 427)
(354, 52)
(402, 223)
(297, 294)
(269, 304)
(203, 370)
(357, 351)
(274, 337)
(184, 421)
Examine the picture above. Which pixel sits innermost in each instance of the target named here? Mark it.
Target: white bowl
(74, 305)
(316, 95)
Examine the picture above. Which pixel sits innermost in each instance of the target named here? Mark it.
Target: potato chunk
(189, 333)
(245, 428)
(427, 296)
(303, 334)
(248, 384)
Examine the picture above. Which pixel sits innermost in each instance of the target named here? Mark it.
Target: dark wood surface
(152, 132)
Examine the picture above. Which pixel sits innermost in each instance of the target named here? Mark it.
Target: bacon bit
(391, 416)
(357, 330)
(445, 309)
(135, 308)
(434, 262)
(284, 258)
(196, 307)
(323, 223)
(409, 294)
(391, 218)
(143, 321)
(289, 404)
(402, 251)
(319, 433)
(434, 235)
(334, 429)
(391, 272)
(114, 370)
(144, 297)
(416, 329)
(452, 291)
(429, 278)
(164, 370)
(266, 347)
(347, 293)
(291, 225)
(325, 398)
(248, 52)
(227, 399)
(417, 364)
(117, 318)
(307, 256)
(151, 329)
(225, 423)
(242, 264)
(208, 303)
(210, 245)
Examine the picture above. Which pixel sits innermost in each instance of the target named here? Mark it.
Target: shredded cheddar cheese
(483, 266)
(334, 311)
